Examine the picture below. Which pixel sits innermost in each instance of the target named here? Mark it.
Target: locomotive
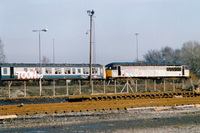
(20, 71)
(146, 70)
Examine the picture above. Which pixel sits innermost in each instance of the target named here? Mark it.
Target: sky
(159, 23)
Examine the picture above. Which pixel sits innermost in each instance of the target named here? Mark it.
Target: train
(21, 71)
(146, 70)
(50, 71)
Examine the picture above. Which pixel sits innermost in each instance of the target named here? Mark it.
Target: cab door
(119, 71)
(183, 70)
(12, 72)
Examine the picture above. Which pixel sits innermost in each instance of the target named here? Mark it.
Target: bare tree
(45, 60)
(167, 54)
(153, 56)
(190, 54)
(2, 55)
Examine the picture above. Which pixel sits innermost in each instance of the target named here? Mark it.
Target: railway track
(57, 108)
(96, 97)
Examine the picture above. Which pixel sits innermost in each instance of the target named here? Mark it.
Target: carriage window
(25, 69)
(48, 71)
(94, 70)
(57, 71)
(173, 69)
(5, 71)
(67, 70)
(85, 70)
(73, 70)
(38, 70)
(79, 70)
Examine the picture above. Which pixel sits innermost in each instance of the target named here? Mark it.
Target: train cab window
(73, 70)
(111, 68)
(57, 71)
(114, 68)
(48, 70)
(108, 68)
(94, 70)
(85, 70)
(5, 71)
(67, 70)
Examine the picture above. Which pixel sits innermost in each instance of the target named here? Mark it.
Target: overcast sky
(159, 23)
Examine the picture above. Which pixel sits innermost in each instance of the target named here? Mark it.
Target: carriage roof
(143, 64)
(46, 65)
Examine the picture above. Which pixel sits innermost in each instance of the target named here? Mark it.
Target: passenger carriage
(146, 70)
(50, 71)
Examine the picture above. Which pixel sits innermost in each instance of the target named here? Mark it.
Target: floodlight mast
(90, 13)
(136, 34)
(44, 30)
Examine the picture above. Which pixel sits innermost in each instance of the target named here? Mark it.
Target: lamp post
(90, 13)
(53, 52)
(44, 30)
(136, 34)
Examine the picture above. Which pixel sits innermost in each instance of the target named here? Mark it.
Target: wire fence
(14, 89)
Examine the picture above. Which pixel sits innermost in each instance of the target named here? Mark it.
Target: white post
(136, 86)
(145, 85)
(173, 85)
(67, 88)
(79, 87)
(54, 88)
(115, 87)
(104, 87)
(9, 85)
(154, 85)
(24, 88)
(164, 85)
(92, 87)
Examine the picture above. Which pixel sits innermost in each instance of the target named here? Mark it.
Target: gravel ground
(177, 120)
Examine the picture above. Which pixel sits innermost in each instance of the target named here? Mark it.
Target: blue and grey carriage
(19, 71)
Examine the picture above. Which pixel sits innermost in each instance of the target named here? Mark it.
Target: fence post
(154, 85)
(67, 87)
(164, 85)
(173, 85)
(145, 85)
(127, 85)
(54, 88)
(115, 87)
(24, 88)
(104, 87)
(9, 85)
(136, 85)
(79, 87)
(92, 87)
(183, 85)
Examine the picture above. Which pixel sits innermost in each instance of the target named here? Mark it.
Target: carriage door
(183, 70)
(11, 72)
(119, 71)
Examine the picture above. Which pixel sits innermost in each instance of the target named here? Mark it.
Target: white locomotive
(146, 70)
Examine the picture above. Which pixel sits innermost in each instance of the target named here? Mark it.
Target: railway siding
(57, 108)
